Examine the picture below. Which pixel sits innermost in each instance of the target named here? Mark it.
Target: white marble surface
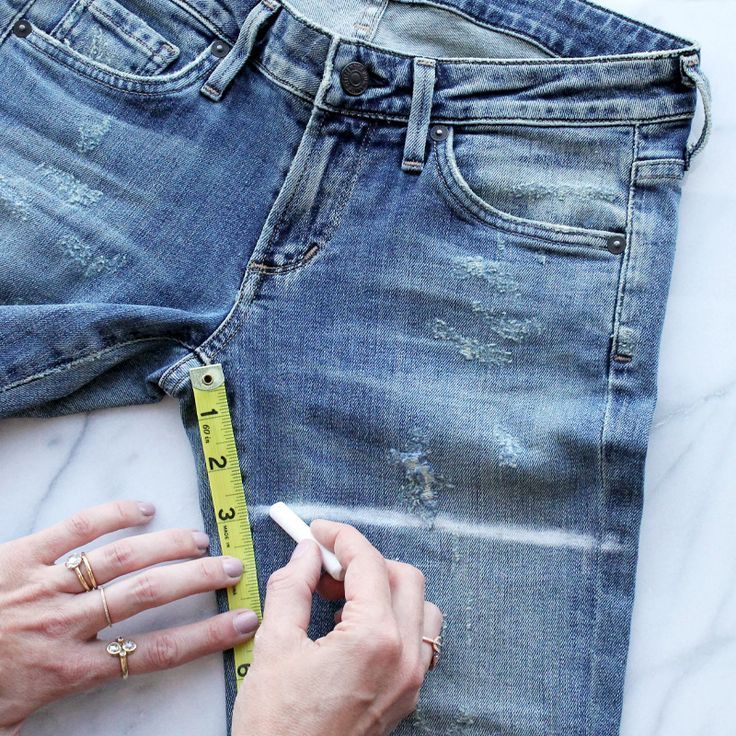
(682, 665)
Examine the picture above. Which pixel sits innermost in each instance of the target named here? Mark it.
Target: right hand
(363, 677)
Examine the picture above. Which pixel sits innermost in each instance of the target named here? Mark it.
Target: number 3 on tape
(228, 495)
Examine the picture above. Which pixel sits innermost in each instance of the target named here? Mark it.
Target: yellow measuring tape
(228, 496)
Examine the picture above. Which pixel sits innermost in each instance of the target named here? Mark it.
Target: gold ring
(121, 648)
(436, 646)
(85, 559)
(104, 605)
(73, 562)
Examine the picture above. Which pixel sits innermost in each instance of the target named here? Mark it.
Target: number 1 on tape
(228, 496)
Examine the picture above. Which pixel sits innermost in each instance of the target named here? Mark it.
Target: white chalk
(297, 529)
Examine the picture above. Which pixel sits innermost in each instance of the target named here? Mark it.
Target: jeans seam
(602, 501)
(297, 188)
(85, 357)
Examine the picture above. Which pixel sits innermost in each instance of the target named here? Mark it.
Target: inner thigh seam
(83, 357)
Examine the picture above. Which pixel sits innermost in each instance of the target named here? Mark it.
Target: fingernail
(245, 622)
(232, 567)
(201, 540)
(147, 509)
(301, 548)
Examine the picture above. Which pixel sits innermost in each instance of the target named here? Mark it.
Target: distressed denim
(429, 241)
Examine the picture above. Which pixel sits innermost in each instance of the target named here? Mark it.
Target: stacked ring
(75, 562)
(104, 605)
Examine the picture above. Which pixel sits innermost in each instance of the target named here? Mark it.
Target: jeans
(430, 243)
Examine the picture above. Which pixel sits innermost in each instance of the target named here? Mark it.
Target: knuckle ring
(121, 648)
(436, 644)
(75, 562)
(104, 605)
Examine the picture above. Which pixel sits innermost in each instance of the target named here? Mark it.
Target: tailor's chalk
(297, 529)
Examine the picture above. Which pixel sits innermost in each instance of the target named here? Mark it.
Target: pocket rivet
(22, 28)
(616, 244)
(220, 49)
(438, 132)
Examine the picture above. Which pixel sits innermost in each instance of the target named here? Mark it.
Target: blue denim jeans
(430, 241)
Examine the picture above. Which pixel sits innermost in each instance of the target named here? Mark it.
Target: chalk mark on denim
(93, 264)
(422, 483)
(73, 190)
(386, 518)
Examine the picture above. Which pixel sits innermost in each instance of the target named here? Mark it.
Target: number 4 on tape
(228, 496)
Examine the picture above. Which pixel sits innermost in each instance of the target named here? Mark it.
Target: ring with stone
(75, 562)
(121, 648)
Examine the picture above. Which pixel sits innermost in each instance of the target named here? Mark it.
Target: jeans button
(354, 78)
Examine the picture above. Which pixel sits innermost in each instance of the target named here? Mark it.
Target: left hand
(49, 624)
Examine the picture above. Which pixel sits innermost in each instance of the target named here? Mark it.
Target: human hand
(49, 624)
(362, 678)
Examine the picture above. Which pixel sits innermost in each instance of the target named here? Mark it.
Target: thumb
(289, 592)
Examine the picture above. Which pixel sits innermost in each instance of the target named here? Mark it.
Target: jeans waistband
(598, 66)
(642, 81)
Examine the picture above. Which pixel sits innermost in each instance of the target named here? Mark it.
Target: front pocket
(563, 185)
(107, 32)
(49, 49)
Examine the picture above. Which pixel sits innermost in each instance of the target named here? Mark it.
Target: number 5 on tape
(228, 496)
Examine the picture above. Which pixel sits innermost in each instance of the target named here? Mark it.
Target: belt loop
(692, 75)
(221, 76)
(419, 115)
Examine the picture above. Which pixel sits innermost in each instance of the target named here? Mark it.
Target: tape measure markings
(228, 495)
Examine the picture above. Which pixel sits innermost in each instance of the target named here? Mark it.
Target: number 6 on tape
(228, 495)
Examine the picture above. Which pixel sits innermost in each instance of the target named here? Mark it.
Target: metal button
(438, 132)
(616, 244)
(219, 48)
(354, 78)
(22, 28)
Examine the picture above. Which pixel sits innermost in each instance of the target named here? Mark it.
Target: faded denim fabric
(430, 242)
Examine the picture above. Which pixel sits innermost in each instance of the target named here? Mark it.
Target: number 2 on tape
(228, 495)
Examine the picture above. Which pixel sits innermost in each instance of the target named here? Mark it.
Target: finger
(338, 615)
(86, 526)
(158, 586)
(134, 553)
(330, 589)
(366, 576)
(407, 599)
(288, 604)
(433, 620)
(162, 650)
